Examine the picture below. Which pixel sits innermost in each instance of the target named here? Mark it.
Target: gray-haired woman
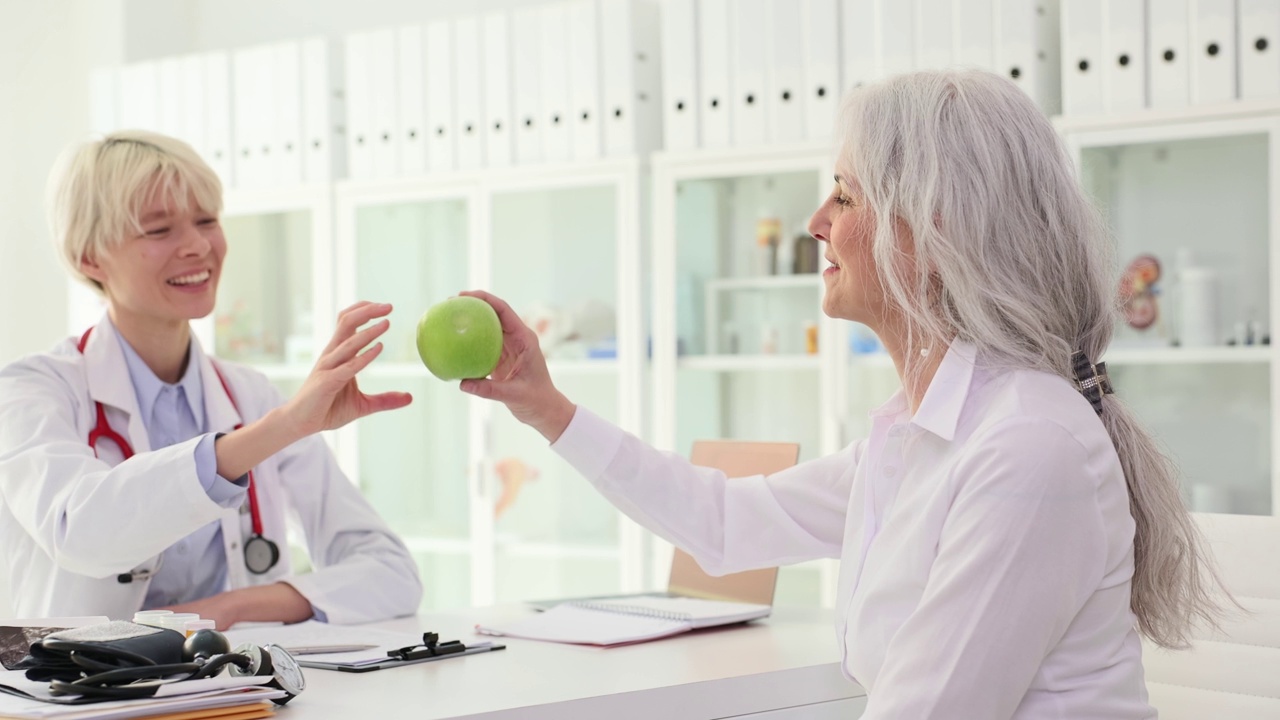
(1008, 528)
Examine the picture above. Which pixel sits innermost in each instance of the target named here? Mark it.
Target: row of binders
(266, 116)
(751, 72)
(1126, 55)
(567, 81)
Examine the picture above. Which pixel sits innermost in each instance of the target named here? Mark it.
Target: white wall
(46, 51)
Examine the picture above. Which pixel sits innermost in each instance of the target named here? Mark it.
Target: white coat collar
(107, 375)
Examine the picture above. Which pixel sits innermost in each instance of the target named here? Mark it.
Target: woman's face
(169, 273)
(846, 224)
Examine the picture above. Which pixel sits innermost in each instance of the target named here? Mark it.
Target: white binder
(750, 45)
(192, 109)
(787, 97)
(412, 105)
(975, 34)
(441, 132)
(1124, 56)
(1259, 25)
(859, 32)
(252, 84)
(1213, 51)
(104, 100)
(895, 37)
(322, 112)
(715, 107)
(1082, 65)
(680, 74)
(286, 156)
(382, 66)
(468, 93)
(1169, 77)
(935, 34)
(1028, 46)
(496, 68)
(218, 135)
(526, 78)
(631, 73)
(553, 63)
(821, 47)
(583, 116)
(358, 89)
(169, 97)
(139, 85)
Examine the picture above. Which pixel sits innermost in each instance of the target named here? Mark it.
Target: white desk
(780, 668)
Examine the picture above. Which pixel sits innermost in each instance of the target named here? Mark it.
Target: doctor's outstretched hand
(521, 380)
(329, 398)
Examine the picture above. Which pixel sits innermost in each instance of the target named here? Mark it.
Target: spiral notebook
(636, 619)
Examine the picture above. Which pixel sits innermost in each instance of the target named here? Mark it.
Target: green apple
(460, 338)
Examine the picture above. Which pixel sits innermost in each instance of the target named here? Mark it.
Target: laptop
(736, 459)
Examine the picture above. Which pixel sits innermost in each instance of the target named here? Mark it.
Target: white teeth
(192, 279)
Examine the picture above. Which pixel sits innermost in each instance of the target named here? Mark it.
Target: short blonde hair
(99, 188)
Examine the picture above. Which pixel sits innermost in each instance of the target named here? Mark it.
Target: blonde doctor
(138, 472)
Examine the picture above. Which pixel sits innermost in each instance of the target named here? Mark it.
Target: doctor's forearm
(239, 451)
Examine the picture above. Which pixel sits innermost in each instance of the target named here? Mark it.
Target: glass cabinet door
(1191, 220)
(748, 303)
(413, 462)
(265, 313)
(554, 259)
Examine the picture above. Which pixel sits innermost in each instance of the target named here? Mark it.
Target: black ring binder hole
(497, 125)
(315, 144)
(715, 103)
(217, 154)
(1084, 66)
(822, 92)
(617, 112)
(680, 105)
(586, 116)
(440, 131)
(245, 152)
(413, 134)
(786, 95)
(1260, 44)
(555, 119)
(1124, 60)
(1169, 55)
(751, 99)
(386, 137)
(1015, 72)
(288, 147)
(528, 122)
(1212, 49)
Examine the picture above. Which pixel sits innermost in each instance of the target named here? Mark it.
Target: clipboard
(396, 662)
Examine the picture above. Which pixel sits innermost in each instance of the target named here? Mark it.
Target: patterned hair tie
(1091, 380)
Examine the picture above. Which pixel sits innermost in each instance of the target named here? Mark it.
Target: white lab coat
(70, 522)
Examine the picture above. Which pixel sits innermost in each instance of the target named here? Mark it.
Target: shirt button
(890, 471)
(182, 548)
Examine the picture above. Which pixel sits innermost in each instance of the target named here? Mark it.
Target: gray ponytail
(1012, 257)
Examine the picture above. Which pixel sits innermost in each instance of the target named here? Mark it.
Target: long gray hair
(1012, 257)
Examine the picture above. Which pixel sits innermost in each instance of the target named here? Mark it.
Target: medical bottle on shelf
(768, 237)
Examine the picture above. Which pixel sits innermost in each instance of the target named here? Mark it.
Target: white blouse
(986, 544)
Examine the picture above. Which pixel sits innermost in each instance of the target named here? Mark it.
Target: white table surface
(784, 661)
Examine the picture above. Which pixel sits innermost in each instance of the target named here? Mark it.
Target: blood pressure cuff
(102, 647)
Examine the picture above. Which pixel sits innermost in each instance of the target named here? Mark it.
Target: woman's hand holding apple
(521, 380)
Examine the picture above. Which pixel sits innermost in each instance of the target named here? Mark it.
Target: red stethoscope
(260, 554)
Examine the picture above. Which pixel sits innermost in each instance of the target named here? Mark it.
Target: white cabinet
(741, 347)
(491, 513)
(1198, 193)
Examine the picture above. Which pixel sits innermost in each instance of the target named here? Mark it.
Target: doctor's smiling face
(165, 270)
(847, 225)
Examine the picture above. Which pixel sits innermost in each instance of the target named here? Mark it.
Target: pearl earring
(924, 352)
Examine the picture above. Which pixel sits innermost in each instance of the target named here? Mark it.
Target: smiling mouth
(192, 279)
